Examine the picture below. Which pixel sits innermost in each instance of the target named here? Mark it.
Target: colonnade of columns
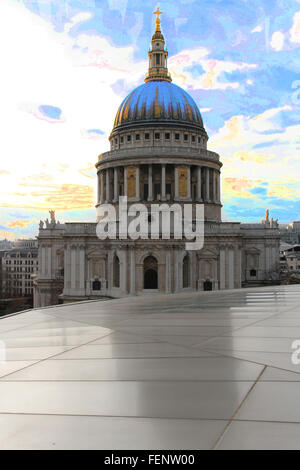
(201, 183)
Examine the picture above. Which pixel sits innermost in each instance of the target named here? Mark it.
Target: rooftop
(189, 371)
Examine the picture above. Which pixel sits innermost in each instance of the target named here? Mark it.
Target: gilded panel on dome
(182, 182)
(156, 106)
(131, 182)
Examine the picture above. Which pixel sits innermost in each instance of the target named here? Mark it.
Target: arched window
(150, 273)
(116, 271)
(186, 272)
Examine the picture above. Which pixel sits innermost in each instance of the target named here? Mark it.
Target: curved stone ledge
(159, 152)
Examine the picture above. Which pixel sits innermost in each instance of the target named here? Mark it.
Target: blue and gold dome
(158, 102)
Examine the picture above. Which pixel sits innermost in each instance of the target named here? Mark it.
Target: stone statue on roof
(267, 215)
(52, 217)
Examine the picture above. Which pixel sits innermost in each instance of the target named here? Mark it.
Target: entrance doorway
(150, 273)
(207, 285)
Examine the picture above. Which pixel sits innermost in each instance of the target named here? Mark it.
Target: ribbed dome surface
(158, 101)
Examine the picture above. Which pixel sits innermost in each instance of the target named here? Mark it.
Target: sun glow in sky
(66, 65)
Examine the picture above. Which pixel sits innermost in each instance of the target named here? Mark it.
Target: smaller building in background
(19, 265)
(289, 258)
(6, 245)
(30, 243)
(290, 233)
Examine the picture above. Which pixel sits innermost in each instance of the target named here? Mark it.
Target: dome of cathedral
(158, 102)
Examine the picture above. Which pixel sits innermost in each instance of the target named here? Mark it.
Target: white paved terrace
(187, 371)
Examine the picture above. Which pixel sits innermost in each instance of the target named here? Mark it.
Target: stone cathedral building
(158, 154)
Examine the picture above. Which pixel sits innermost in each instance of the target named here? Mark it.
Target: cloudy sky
(67, 64)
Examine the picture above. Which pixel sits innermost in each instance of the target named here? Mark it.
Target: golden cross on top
(157, 13)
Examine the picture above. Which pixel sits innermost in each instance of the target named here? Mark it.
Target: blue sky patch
(51, 112)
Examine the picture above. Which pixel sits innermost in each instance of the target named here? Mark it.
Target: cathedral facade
(158, 155)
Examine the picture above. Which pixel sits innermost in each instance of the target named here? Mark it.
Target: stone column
(218, 187)
(132, 272)
(99, 188)
(215, 271)
(49, 262)
(267, 251)
(222, 267)
(230, 268)
(207, 195)
(199, 184)
(123, 270)
(168, 272)
(81, 269)
(125, 181)
(73, 267)
(107, 186)
(189, 182)
(214, 198)
(176, 182)
(67, 270)
(150, 184)
(43, 264)
(238, 267)
(163, 182)
(102, 186)
(66, 261)
(176, 270)
(116, 185)
(137, 183)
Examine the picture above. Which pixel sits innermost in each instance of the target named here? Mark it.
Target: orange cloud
(8, 235)
(238, 187)
(20, 223)
(252, 156)
(70, 196)
(37, 178)
(284, 191)
(58, 197)
(89, 171)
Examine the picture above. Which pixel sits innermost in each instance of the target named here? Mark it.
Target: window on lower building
(122, 140)
(186, 137)
(137, 136)
(253, 272)
(157, 135)
(193, 138)
(177, 136)
(167, 136)
(147, 136)
(128, 138)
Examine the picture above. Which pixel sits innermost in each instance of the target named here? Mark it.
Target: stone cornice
(153, 153)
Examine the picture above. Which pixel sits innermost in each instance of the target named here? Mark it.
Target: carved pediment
(252, 251)
(207, 253)
(96, 254)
